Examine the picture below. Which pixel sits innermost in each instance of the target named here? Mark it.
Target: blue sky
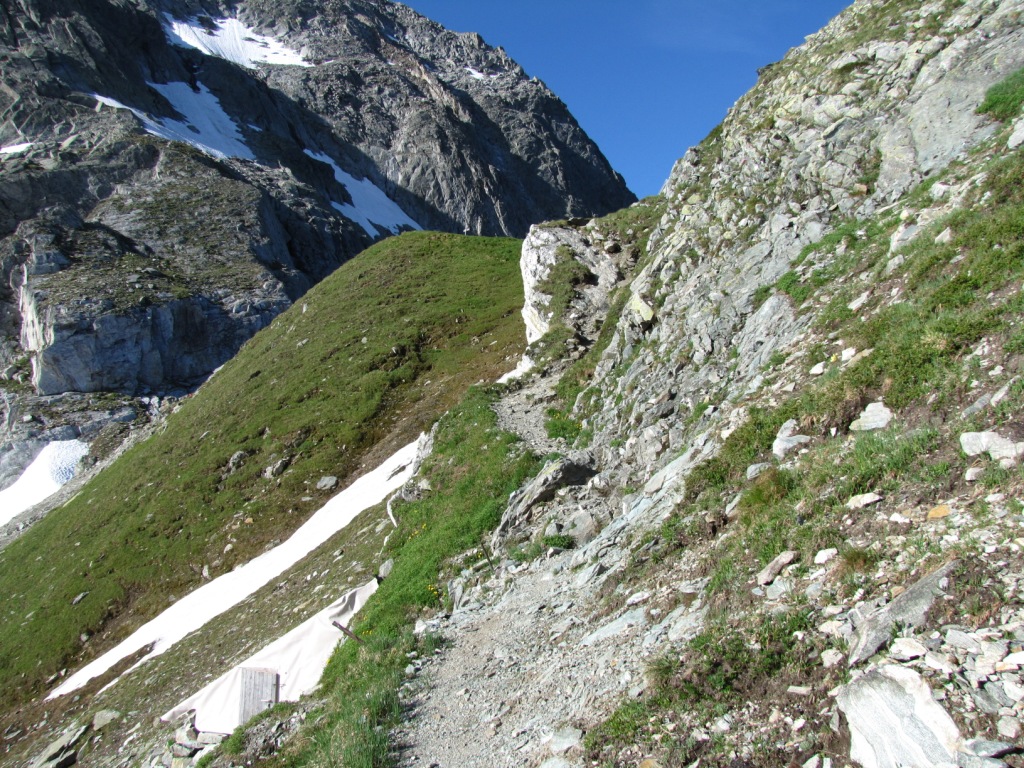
(645, 78)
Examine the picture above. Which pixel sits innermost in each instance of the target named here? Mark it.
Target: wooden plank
(259, 692)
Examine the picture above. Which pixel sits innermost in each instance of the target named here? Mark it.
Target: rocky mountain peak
(174, 174)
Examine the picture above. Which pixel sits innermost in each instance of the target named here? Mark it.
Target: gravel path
(515, 683)
(518, 412)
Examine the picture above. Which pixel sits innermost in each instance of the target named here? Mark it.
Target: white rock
(638, 598)
(787, 440)
(635, 618)
(831, 658)
(907, 649)
(818, 369)
(774, 568)
(859, 302)
(944, 237)
(564, 739)
(997, 446)
(1015, 658)
(875, 416)
(1013, 689)
(1017, 137)
(1009, 728)
(894, 721)
(972, 474)
(863, 500)
(778, 589)
(825, 556)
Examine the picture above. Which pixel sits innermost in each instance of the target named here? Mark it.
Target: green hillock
(358, 367)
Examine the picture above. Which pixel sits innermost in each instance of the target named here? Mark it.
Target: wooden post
(347, 631)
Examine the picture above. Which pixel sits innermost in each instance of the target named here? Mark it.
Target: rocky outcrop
(825, 137)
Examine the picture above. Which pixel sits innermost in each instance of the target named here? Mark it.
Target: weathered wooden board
(259, 692)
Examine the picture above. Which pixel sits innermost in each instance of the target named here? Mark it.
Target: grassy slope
(359, 366)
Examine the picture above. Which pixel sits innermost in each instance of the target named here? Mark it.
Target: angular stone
(908, 609)
(894, 721)
(830, 658)
(987, 748)
(774, 568)
(556, 474)
(875, 416)
(907, 649)
(1009, 728)
(997, 446)
(962, 641)
(590, 573)
(939, 512)
(756, 469)
(778, 589)
(103, 718)
(787, 439)
(276, 469)
(641, 309)
(1017, 137)
(565, 739)
(825, 556)
(635, 618)
(327, 483)
(863, 500)
(62, 751)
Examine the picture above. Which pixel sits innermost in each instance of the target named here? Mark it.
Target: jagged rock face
(837, 130)
(301, 133)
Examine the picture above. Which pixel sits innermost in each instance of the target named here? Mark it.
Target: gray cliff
(169, 184)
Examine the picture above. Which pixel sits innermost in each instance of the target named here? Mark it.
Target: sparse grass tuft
(1004, 99)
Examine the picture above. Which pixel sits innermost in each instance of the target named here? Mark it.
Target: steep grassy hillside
(360, 366)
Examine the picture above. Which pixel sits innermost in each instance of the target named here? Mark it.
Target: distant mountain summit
(174, 174)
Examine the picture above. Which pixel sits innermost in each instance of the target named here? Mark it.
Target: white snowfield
(232, 40)
(13, 149)
(210, 600)
(53, 467)
(298, 658)
(206, 126)
(371, 209)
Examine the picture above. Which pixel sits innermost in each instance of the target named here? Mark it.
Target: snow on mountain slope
(212, 599)
(206, 126)
(53, 467)
(371, 209)
(232, 40)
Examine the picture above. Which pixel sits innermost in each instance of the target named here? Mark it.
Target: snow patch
(476, 74)
(53, 467)
(210, 600)
(13, 149)
(371, 209)
(299, 658)
(232, 40)
(524, 366)
(206, 126)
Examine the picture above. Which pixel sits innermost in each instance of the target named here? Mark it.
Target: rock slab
(895, 722)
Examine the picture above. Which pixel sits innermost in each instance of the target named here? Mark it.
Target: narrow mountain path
(517, 682)
(524, 411)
